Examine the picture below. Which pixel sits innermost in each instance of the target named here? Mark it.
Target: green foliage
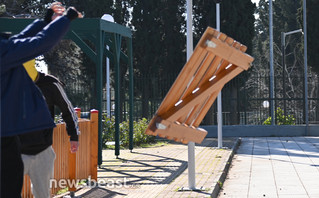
(281, 119)
(139, 127)
(236, 21)
(285, 14)
(2, 8)
(159, 44)
(312, 33)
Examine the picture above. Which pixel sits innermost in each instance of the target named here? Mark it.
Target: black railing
(244, 99)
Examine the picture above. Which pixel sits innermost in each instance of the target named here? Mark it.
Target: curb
(218, 185)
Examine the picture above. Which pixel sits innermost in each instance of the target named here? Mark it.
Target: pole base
(191, 189)
(224, 147)
(71, 195)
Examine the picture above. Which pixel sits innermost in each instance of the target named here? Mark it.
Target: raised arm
(56, 9)
(17, 51)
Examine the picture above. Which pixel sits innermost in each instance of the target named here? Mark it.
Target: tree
(159, 45)
(312, 33)
(236, 21)
(21, 8)
(285, 19)
(312, 51)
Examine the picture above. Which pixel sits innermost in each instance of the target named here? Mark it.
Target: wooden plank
(94, 144)
(216, 60)
(179, 132)
(187, 115)
(198, 75)
(206, 108)
(72, 171)
(206, 89)
(184, 77)
(179, 86)
(192, 119)
(228, 53)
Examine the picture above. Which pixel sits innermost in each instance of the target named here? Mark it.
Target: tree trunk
(234, 116)
(145, 101)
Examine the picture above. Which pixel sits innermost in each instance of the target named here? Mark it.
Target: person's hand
(72, 13)
(74, 146)
(58, 9)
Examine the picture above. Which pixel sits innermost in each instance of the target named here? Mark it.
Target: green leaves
(139, 127)
(281, 119)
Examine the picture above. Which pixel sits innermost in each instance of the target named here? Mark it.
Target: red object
(94, 111)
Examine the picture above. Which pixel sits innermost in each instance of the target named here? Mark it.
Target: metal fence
(245, 100)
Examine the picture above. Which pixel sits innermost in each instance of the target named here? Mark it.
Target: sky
(255, 1)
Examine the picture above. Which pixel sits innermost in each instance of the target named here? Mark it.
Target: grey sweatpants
(40, 169)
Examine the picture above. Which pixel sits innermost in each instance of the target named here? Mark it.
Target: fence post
(72, 170)
(94, 143)
(78, 111)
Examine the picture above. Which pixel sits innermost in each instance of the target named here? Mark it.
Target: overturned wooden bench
(216, 60)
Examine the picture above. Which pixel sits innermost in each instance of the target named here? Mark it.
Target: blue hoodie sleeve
(31, 30)
(17, 51)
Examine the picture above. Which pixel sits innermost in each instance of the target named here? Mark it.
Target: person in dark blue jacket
(23, 108)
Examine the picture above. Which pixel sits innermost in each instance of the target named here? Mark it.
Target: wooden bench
(215, 61)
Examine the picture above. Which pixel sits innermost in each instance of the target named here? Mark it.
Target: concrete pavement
(161, 171)
(273, 167)
(276, 167)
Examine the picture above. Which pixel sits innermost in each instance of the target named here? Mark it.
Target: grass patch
(62, 191)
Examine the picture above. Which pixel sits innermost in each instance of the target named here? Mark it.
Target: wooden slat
(198, 76)
(215, 61)
(72, 171)
(228, 53)
(206, 89)
(94, 144)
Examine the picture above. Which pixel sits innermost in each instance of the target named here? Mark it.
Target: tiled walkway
(161, 171)
(276, 167)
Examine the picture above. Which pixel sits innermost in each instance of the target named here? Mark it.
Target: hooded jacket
(35, 142)
(23, 108)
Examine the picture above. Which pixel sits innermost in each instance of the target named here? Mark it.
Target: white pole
(271, 60)
(191, 145)
(219, 97)
(109, 18)
(305, 63)
(189, 27)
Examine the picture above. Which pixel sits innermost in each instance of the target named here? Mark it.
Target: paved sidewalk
(275, 167)
(161, 171)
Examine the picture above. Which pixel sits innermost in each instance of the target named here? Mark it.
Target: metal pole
(271, 60)
(283, 46)
(131, 90)
(108, 98)
(283, 70)
(305, 63)
(116, 45)
(219, 97)
(99, 88)
(109, 18)
(191, 145)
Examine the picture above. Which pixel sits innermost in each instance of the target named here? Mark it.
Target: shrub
(139, 137)
(281, 119)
